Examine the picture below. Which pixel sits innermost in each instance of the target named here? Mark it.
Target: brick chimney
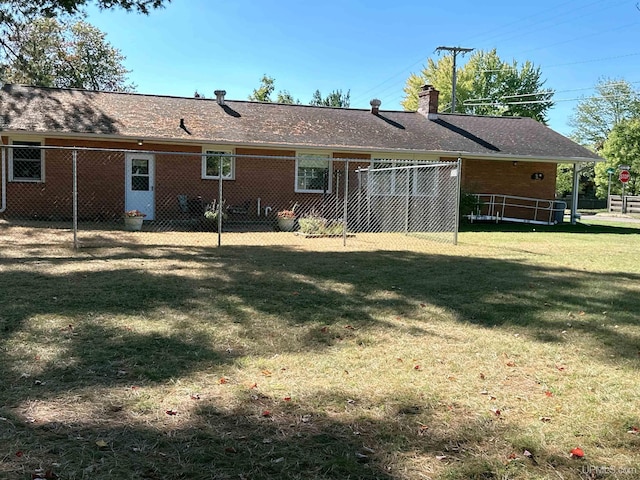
(428, 102)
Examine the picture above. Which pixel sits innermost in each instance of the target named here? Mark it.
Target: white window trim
(42, 162)
(224, 151)
(311, 154)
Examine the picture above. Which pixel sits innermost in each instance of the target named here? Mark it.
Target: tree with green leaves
(265, 90)
(486, 85)
(17, 11)
(595, 117)
(335, 99)
(622, 147)
(593, 120)
(60, 53)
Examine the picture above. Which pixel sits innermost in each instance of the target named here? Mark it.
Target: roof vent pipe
(375, 106)
(220, 96)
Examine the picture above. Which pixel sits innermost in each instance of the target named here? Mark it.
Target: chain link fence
(91, 197)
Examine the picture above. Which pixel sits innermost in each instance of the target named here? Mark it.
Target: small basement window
(26, 163)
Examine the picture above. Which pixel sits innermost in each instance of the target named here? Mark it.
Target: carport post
(74, 156)
(574, 194)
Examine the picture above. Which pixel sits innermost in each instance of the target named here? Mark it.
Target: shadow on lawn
(292, 442)
(238, 287)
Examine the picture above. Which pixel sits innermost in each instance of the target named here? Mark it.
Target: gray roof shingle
(68, 111)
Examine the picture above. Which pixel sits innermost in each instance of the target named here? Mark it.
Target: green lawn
(493, 359)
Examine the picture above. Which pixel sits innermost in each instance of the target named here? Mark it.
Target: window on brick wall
(213, 160)
(26, 161)
(313, 173)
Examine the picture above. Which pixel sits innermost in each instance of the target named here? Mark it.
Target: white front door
(140, 183)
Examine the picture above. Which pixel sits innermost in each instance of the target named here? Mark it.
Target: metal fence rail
(217, 198)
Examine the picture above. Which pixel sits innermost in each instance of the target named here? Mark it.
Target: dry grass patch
(493, 359)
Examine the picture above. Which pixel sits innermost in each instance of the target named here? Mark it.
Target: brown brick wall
(503, 177)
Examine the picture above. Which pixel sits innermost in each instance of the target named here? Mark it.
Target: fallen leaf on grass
(545, 419)
(548, 393)
(44, 474)
(417, 367)
(287, 399)
(324, 329)
(423, 305)
(223, 380)
(512, 456)
(634, 430)
(194, 396)
(19, 453)
(266, 413)
(349, 327)
(561, 368)
(577, 452)
(254, 386)
(171, 412)
(441, 457)
(481, 376)
(511, 363)
(101, 444)
(266, 373)
(230, 450)
(496, 412)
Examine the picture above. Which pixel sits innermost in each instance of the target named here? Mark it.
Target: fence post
(457, 211)
(406, 201)
(345, 210)
(74, 157)
(220, 200)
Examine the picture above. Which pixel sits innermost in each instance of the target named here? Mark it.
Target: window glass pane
(27, 162)
(313, 173)
(213, 164)
(139, 167)
(26, 169)
(140, 183)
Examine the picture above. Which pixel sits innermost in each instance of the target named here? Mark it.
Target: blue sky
(369, 47)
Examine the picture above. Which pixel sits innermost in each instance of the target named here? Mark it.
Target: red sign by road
(624, 176)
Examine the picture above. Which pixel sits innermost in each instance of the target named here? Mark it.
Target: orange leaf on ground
(171, 412)
(287, 399)
(251, 387)
(266, 413)
(266, 373)
(19, 453)
(548, 393)
(223, 380)
(417, 367)
(577, 452)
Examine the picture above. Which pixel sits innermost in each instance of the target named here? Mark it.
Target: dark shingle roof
(68, 111)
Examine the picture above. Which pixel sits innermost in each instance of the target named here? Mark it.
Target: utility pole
(454, 51)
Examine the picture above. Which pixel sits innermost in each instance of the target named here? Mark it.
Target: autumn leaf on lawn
(577, 452)
(634, 430)
(287, 399)
(266, 373)
(548, 393)
(171, 412)
(19, 453)
(266, 413)
(101, 444)
(223, 380)
(511, 363)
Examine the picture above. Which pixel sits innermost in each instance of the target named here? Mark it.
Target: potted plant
(133, 220)
(287, 219)
(211, 215)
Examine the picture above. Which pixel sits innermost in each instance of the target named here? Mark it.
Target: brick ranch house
(268, 151)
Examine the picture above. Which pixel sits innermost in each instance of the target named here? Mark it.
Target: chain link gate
(421, 200)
